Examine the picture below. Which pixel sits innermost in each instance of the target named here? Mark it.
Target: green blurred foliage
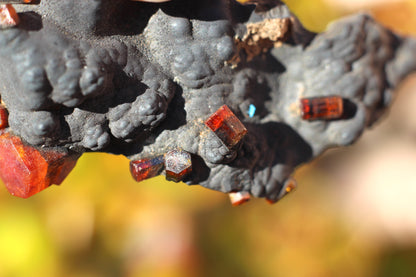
(99, 222)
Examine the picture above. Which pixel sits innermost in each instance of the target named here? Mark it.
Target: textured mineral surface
(141, 79)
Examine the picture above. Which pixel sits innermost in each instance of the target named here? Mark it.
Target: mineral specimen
(136, 78)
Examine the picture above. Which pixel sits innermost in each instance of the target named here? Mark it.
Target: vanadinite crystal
(239, 198)
(26, 170)
(146, 168)
(226, 126)
(4, 117)
(8, 16)
(178, 164)
(329, 107)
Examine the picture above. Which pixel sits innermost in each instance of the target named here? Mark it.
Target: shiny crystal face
(178, 164)
(239, 198)
(323, 108)
(8, 16)
(146, 168)
(226, 126)
(26, 170)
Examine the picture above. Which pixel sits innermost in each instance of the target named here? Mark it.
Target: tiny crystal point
(239, 198)
(146, 168)
(178, 164)
(251, 110)
(288, 186)
(26, 170)
(226, 126)
(8, 16)
(322, 108)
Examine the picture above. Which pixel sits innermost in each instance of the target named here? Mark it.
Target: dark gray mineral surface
(140, 79)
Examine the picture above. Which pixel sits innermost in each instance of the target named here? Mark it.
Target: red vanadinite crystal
(226, 126)
(4, 117)
(8, 16)
(146, 168)
(26, 170)
(178, 164)
(330, 107)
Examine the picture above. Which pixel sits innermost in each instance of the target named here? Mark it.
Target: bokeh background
(354, 213)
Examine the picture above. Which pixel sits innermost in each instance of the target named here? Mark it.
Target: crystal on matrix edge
(329, 107)
(146, 168)
(226, 126)
(8, 16)
(178, 164)
(239, 198)
(26, 170)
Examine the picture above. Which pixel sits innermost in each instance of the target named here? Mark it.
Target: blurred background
(353, 214)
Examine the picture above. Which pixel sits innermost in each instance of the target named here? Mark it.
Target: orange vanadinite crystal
(226, 126)
(146, 168)
(8, 16)
(26, 170)
(239, 198)
(4, 117)
(329, 107)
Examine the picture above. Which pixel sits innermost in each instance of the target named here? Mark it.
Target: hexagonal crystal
(178, 164)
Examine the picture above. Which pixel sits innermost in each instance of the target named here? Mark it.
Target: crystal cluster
(73, 77)
(328, 107)
(177, 164)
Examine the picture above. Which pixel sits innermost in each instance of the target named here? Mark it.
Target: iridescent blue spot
(251, 110)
